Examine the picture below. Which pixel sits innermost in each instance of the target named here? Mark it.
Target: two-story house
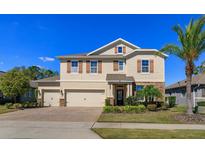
(115, 71)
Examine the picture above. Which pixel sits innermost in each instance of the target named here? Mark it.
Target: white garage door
(85, 98)
(51, 98)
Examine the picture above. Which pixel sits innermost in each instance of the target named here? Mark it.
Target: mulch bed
(191, 119)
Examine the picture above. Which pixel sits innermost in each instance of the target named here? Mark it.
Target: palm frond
(172, 49)
(181, 35)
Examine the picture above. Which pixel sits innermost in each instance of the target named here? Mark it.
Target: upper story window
(120, 49)
(74, 66)
(120, 65)
(145, 66)
(93, 66)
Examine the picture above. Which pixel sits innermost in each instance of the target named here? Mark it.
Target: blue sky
(37, 39)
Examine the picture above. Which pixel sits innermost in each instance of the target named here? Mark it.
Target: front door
(120, 97)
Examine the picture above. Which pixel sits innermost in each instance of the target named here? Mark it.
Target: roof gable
(112, 44)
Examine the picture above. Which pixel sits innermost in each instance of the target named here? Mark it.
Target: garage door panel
(51, 98)
(86, 98)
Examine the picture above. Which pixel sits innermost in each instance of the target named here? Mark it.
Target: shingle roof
(197, 79)
(119, 78)
(50, 79)
(90, 57)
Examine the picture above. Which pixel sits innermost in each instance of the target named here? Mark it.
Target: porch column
(131, 90)
(128, 90)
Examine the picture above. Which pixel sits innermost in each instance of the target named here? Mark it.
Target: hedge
(124, 109)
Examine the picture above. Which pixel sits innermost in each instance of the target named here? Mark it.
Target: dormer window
(120, 49)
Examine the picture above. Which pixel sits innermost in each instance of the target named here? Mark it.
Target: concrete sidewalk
(148, 126)
(46, 130)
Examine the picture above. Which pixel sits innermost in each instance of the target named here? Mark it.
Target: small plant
(25, 104)
(196, 109)
(17, 105)
(117, 109)
(108, 109)
(107, 102)
(171, 100)
(202, 103)
(8, 105)
(152, 107)
(164, 107)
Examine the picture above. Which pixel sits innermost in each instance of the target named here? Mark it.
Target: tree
(14, 83)
(149, 93)
(192, 45)
(200, 69)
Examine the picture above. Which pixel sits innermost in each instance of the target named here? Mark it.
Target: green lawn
(164, 117)
(3, 109)
(117, 133)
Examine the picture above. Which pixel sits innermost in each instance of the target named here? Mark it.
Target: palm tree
(192, 40)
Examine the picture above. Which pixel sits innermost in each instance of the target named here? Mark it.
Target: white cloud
(46, 59)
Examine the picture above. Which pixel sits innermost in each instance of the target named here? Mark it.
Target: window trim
(119, 65)
(147, 66)
(96, 66)
(77, 67)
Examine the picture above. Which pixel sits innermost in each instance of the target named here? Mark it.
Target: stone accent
(62, 102)
(112, 102)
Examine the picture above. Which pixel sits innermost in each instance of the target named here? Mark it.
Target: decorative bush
(201, 103)
(132, 101)
(107, 102)
(25, 104)
(124, 109)
(17, 105)
(196, 109)
(108, 109)
(164, 107)
(8, 105)
(152, 107)
(171, 100)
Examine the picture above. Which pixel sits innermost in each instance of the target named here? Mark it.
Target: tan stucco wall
(111, 51)
(157, 76)
(130, 70)
(107, 68)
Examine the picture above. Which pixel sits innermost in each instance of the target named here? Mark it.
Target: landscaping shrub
(132, 101)
(25, 104)
(160, 103)
(196, 109)
(8, 105)
(152, 107)
(171, 101)
(17, 105)
(201, 103)
(164, 107)
(107, 102)
(117, 109)
(125, 109)
(108, 109)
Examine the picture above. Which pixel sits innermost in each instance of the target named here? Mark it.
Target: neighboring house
(114, 71)
(179, 89)
(1, 94)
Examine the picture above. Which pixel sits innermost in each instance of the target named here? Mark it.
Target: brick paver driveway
(51, 122)
(69, 114)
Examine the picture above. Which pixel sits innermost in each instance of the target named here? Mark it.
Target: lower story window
(139, 87)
